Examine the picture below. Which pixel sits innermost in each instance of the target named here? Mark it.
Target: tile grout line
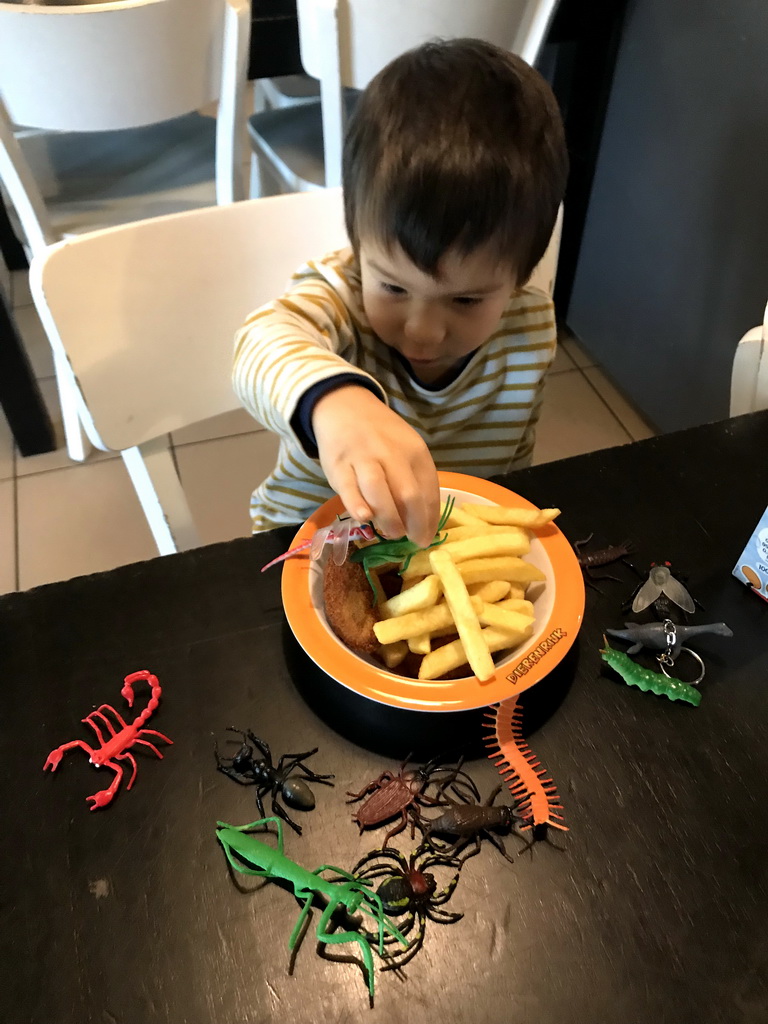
(607, 405)
(172, 446)
(71, 465)
(15, 501)
(221, 437)
(115, 454)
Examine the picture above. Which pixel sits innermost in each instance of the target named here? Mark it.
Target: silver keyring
(693, 654)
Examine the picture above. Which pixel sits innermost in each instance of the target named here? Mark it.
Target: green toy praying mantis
(250, 856)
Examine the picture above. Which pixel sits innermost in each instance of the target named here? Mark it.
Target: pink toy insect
(116, 747)
(340, 534)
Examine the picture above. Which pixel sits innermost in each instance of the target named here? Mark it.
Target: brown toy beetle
(402, 793)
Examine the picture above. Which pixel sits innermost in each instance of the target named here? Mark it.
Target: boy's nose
(423, 329)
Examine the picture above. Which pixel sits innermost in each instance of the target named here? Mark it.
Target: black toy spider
(408, 889)
(259, 771)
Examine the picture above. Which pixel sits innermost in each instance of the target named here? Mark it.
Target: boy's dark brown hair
(456, 144)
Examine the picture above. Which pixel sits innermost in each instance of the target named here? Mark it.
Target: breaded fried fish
(348, 606)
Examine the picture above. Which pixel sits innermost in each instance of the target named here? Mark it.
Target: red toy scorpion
(116, 747)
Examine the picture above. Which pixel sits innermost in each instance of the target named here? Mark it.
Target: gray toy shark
(654, 636)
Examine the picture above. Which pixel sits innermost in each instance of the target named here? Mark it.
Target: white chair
(545, 271)
(344, 43)
(749, 377)
(117, 67)
(142, 319)
(285, 91)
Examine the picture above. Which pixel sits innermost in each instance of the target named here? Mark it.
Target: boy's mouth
(420, 361)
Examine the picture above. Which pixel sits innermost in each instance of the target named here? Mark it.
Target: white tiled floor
(60, 519)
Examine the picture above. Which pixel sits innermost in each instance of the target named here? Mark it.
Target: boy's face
(433, 322)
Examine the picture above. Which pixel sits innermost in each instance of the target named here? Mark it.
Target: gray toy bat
(654, 636)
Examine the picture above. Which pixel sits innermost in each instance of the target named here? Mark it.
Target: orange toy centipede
(531, 787)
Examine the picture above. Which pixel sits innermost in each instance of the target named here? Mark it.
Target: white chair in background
(285, 91)
(112, 67)
(345, 43)
(545, 271)
(749, 377)
(151, 349)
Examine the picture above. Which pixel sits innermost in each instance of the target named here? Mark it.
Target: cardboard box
(752, 566)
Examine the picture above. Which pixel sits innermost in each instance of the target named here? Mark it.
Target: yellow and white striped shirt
(481, 423)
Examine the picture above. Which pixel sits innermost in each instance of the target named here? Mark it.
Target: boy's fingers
(353, 501)
(419, 504)
(425, 521)
(376, 492)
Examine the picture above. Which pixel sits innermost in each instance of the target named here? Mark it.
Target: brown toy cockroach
(602, 556)
(468, 821)
(401, 795)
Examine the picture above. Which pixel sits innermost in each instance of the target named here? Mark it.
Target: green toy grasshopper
(402, 550)
(250, 856)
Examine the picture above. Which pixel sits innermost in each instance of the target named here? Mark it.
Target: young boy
(420, 347)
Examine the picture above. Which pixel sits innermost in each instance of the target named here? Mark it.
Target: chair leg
(259, 97)
(22, 190)
(78, 446)
(230, 120)
(154, 476)
(256, 186)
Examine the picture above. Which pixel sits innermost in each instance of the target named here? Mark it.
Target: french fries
(464, 612)
(490, 545)
(530, 518)
(402, 627)
(422, 644)
(391, 654)
(451, 656)
(503, 619)
(421, 595)
(394, 654)
(512, 570)
(460, 517)
(466, 598)
(493, 591)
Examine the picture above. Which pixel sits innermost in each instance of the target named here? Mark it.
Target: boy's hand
(379, 466)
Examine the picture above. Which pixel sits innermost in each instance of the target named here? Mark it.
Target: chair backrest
(118, 65)
(749, 377)
(151, 347)
(545, 271)
(347, 42)
(109, 66)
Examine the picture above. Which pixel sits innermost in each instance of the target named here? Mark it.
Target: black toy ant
(249, 770)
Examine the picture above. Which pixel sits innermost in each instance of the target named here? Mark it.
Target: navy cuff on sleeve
(301, 421)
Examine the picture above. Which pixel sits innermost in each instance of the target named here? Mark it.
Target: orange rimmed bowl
(558, 604)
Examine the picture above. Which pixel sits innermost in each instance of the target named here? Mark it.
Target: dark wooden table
(652, 911)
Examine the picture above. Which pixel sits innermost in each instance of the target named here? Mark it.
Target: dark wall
(673, 265)
(274, 48)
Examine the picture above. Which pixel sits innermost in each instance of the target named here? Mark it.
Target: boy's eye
(466, 300)
(392, 289)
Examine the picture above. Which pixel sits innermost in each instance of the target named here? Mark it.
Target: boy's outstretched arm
(377, 464)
